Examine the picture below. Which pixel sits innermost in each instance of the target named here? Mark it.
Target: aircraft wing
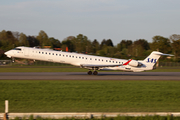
(98, 65)
(105, 65)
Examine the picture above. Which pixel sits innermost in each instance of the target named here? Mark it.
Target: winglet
(127, 62)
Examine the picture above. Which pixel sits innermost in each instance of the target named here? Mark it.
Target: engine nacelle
(135, 63)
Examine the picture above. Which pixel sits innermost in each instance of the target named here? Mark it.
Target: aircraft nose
(7, 54)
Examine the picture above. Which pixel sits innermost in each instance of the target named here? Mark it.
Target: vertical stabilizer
(151, 60)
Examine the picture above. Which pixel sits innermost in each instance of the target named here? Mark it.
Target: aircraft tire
(95, 73)
(89, 73)
(13, 59)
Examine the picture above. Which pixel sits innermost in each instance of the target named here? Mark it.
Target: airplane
(91, 62)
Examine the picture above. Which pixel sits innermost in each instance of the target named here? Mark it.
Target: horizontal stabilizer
(159, 53)
(165, 54)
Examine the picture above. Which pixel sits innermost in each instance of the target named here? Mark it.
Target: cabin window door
(26, 52)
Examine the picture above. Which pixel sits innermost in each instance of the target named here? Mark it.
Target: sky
(97, 19)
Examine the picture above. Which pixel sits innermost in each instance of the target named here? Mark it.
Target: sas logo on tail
(151, 60)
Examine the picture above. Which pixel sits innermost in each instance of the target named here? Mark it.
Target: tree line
(137, 49)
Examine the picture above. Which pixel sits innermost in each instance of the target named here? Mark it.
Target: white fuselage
(73, 59)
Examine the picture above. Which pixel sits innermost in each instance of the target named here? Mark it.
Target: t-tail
(152, 59)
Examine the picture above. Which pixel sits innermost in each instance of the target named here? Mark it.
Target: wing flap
(98, 65)
(106, 65)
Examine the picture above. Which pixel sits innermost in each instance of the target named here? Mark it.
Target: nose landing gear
(13, 59)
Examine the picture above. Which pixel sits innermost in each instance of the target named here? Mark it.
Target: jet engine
(135, 63)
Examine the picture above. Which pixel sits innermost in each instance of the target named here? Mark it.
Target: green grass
(90, 96)
(68, 69)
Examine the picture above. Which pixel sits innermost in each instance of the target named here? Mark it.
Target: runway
(84, 76)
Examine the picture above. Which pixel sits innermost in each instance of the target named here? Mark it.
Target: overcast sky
(96, 19)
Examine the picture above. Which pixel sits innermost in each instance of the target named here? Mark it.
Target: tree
(125, 48)
(43, 39)
(82, 44)
(95, 46)
(139, 47)
(23, 40)
(109, 43)
(32, 41)
(105, 43)
(8, 41)
(55, 43)
(143, 43)
(16, 35)
(175, 39)
(124, 44)
(68, 43)
(162, 44)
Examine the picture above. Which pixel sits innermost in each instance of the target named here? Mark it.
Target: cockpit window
(17, 49)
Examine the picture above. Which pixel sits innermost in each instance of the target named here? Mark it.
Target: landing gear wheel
(95, 73)
(89, 73)
(13, 59)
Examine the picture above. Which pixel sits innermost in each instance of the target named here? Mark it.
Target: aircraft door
(26, 52)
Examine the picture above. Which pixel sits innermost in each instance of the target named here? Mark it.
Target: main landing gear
(90, 72)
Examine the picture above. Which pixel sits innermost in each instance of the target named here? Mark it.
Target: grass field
(90, 96)
(69, 69)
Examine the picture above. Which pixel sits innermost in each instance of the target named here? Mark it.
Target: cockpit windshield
(17, 49)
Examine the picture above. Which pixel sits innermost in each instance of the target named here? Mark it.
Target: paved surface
(84, 76)
(88, 115)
